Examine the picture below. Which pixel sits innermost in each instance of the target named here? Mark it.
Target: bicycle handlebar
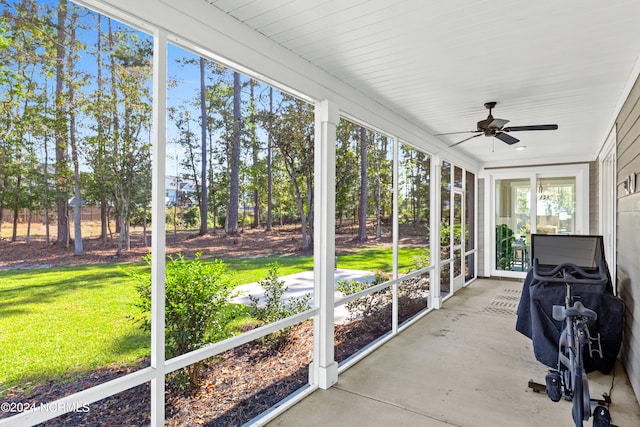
(567, 270)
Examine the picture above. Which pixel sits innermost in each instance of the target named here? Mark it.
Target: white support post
(324, 368)
(436, 212)
(158, 239)
(395, 237)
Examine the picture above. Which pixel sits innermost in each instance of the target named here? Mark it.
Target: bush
(368, 306)
(138, 217)
(196, 306)
(191, 217)
(222, 220)
(275, 308)
(423, 259)
(169, 219)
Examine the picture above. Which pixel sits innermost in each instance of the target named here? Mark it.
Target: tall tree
(62, 166)
(25, 46)
(346, 175)
(234, 169)
(269, 224)
(255, 149)
(362, 217)
(98, 154)
(292, 132)
(130, 114)
(77, 199)
(203, 127)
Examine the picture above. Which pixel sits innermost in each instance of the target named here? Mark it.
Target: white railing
(78, 402)
(377, 343)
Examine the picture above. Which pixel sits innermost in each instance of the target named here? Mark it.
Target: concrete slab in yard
(300, 284)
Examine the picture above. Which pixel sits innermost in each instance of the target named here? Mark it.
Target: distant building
(179, 192)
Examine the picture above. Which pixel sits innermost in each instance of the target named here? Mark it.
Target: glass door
(512, 224)
(457, 247)
(547, 200)
(556, 205)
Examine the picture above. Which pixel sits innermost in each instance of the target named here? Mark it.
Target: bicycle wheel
(586, 397)
(578, 399)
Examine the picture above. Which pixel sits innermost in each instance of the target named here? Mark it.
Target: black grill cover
(535, 320)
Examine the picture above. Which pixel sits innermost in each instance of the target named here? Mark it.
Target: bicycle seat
(580, 310)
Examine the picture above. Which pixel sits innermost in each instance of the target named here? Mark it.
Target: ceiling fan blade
(506, 138)
(532, 127)
(464, 140)
(455, 133)
(497, 123)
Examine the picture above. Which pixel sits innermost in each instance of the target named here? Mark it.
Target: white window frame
(579, 171)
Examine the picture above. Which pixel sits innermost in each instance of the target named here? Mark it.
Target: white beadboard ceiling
(568, 62)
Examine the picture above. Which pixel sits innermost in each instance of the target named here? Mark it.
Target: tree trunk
(16, 211)
(77, 209)
(255, 147)
(29, 217)
(362, 217)
(14, 233)
(61, 168)
(101, 137)
(234, 190)
(46, 194)
(144, 228)
(122, 225)
(203, 189)
(289, 163)
(104, 221)
(269, 173)
(212, 193)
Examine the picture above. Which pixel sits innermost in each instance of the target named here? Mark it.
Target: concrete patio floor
(462, 365)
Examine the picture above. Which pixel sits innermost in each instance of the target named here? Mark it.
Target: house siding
(628, 231)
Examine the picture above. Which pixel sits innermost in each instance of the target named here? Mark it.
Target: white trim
(457, 282)
(607, 221)
(624, 96)
(473, 251)
(52, 409)
(395, 234)
(216, 348)
(158, 235)
(326, 119)
(434, 221)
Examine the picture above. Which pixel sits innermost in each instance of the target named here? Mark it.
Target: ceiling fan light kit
(493, 127)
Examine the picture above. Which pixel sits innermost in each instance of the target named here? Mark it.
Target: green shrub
(504, 247)
(138, 217)
(275, 308)
(196, 306)
(368, 306)
(222, 220)
(423, 259)
(191, 217)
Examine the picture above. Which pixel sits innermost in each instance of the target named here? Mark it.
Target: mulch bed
(235, 386)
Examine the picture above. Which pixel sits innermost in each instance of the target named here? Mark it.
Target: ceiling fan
(496, 127)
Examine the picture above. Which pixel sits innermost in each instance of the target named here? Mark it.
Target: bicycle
(569, 379)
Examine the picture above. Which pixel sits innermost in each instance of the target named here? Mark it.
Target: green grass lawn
(58, 321)
(62, 322)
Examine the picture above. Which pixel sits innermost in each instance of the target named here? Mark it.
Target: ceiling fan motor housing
(483, 125)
